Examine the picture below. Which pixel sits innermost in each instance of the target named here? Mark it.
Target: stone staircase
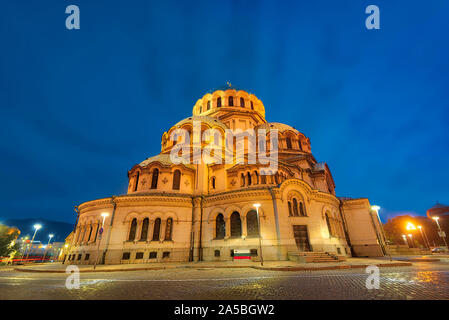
(314, 257)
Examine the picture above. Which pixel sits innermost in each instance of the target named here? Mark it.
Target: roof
(438, 209)
(163, 159)
(204, 119)
(276, 125)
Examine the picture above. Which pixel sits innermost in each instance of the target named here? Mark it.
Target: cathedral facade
(179, 211)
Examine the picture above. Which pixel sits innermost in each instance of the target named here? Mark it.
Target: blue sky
(81, 107)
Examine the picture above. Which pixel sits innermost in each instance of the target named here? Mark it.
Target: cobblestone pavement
(420, 281)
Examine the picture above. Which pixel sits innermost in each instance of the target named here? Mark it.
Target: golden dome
(228, 99)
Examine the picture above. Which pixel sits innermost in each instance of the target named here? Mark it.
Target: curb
(357, 266)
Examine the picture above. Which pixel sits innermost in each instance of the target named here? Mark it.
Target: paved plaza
(422, 280)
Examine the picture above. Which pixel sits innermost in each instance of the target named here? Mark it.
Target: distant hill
(59, 229)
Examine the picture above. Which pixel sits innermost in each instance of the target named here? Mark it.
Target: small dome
(163, 159)
(276, 125)
(229, 99)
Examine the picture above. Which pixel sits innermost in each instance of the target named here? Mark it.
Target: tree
(8, 238)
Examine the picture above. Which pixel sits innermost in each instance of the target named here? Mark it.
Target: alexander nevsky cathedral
(177, 209)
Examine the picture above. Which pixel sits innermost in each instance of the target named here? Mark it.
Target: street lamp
(45, 252)
(36, 227)
(441, 233)
(424, 237)
(104, 215)
(257, 205)
(405, 239)
(411, 239)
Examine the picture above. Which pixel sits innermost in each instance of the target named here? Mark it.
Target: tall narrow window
(236, 225)
(213, 182)
(208, 105)
(218, 102)
(176, 179)
(249, 178)
(300, 145)
(242, 179)
(263, 179)
(132, 230)
(302, 212)
(154, 178)
(168, 229)
(90, 233)
(256, 177)
(220, 227)
(144, 233)
(157, 229)
(242, 102)
(231, 101)
(252, 106)
(290, 213)
(252, 225)
(96, 231)
(289, 143)
(295, 207)
(137, 181)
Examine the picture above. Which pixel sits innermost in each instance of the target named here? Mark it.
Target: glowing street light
(103, 215)
(410, 226)
(45, 252)
(36, 227)
(257, 205)
(405, 239)
(441, 233)
(424, 236)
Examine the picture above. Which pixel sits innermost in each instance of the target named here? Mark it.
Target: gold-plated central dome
(229, 100)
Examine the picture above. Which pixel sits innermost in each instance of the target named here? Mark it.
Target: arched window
(220, 227)
(231, 101)
(236, 225)
(302, 211)
(295, 207)
(154, 178)
(90, 233)
(137, 181)
(256, 176)
(218, 102)
(176, 179)
(289, 143)
(290, 213)
(157, 229)
(213, 182)
(96, 231)
(144, 233)
(208, 105)
(242, 179)
(132, 230)
(249, 178)
(242, 102)
(300, 145)
(252, 225)
(168, 229)
(252, 106)
(328, 224)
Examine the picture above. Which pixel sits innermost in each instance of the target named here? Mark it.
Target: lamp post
(411, 239)
(45, 252)
(376, 209)
(441, 233)
(104, 215)
(257, 205)
(405, 239)
(36, 227)
(426, 242)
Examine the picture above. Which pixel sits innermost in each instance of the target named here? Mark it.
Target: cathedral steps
(313, 257)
